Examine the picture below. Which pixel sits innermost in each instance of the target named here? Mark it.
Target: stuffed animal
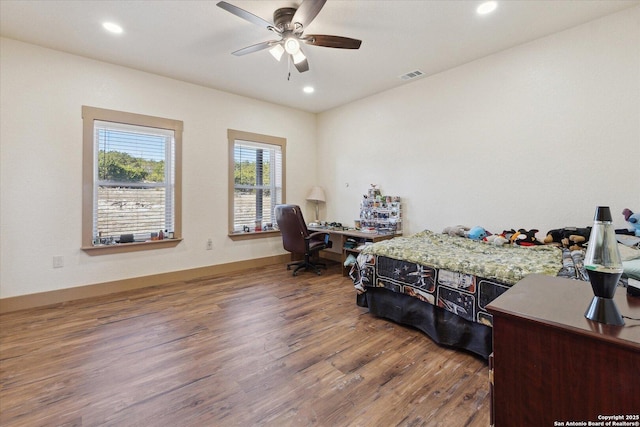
(511, 235)
(569, 237)
(477, 233)
(458, 230)
(526, 237)
(496, 239)
(554, 237)
(579, 238)
(633, 220)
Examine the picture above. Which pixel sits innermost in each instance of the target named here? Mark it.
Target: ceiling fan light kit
(291, 45)
(289, 24)
(277, 51)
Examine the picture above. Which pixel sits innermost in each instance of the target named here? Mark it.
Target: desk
(338, 252)
(552, 365)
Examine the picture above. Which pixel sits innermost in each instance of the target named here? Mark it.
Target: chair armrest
(316, 236)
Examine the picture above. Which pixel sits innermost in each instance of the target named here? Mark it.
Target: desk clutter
(326, 225)
(379, 214)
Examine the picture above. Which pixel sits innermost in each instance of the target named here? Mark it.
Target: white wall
(533, 137)
(42, 92)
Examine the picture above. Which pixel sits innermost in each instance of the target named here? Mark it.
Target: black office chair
(297, 239)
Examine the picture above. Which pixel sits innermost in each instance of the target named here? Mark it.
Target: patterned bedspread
(507, 263)
(458, 274)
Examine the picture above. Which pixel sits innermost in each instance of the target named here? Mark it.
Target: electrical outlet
(58, 261)
(209, 244)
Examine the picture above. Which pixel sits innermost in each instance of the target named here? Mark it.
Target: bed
(630, 254)
(441, 284)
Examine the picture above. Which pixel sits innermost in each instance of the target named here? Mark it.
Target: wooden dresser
(554, 367)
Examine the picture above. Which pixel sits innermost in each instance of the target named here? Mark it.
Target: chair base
(307, 265)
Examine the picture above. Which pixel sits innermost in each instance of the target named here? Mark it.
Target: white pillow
(632, 268)
(627, 253)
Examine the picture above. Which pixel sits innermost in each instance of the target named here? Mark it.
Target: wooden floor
(261, 348)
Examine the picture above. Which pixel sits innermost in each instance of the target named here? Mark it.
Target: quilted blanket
(507, 264)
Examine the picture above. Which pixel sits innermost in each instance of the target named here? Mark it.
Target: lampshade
(291, 45)
(298, 57)
(277, 51)
(316, 194)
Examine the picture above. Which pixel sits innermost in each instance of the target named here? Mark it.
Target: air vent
(412, 75)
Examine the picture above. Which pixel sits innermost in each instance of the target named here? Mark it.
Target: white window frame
(118, 120)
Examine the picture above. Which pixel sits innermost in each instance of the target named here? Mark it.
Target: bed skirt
(442, 326)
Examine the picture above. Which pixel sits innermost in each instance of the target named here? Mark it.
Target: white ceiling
(193, 40)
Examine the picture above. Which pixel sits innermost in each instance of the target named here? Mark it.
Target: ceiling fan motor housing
(282, 18)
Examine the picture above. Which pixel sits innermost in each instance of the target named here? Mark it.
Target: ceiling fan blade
(248, 16)
(302, 66)
(307, 11)
(332, 41)
(255, 48)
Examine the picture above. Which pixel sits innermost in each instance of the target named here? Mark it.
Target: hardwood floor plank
(258, 347)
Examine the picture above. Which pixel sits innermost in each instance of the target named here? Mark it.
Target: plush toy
(580, 238)
(526, 237)
(510, 235)
(569, 237)
(554, 237)
(496, 239)
(477, 233)
(633, 220)
(458, 230)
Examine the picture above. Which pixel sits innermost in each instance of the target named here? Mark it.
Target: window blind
(133, 180)
(257, 182)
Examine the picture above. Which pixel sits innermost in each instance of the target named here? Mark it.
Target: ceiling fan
(289, 24)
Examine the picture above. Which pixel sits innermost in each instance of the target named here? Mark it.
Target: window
(256, 180)
(131, 177)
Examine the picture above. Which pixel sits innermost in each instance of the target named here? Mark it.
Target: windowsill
(131, 247)
(253, 235)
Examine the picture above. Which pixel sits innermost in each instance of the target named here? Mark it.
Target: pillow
(632, 268)
(628, 239)
(627, 253)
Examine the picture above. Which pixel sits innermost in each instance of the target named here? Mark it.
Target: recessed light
(308, 89)
(113, 28)
(487, 7)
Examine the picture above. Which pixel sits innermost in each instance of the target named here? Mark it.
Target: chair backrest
(292, 227)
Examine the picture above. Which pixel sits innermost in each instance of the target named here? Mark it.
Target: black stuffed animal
(526, 238)
(573, 238)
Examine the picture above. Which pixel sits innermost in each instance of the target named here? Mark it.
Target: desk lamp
(604, 267)
(316, 195)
